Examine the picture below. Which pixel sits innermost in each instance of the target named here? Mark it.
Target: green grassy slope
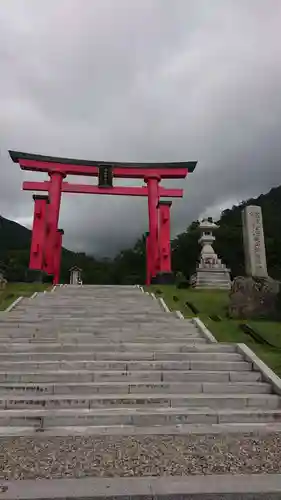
(212, 305)
(15, 290)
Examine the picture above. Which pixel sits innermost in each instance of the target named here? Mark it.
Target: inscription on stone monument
(254, 246)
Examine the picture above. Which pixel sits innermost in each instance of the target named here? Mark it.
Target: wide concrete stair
(111, 358)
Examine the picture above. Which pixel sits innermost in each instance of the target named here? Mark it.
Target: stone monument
(210, 271)
(254, 245)
(254, 295)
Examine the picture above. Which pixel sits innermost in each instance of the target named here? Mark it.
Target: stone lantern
(210, 271)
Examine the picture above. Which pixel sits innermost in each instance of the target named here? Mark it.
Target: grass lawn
(15, 290)
(214, 303)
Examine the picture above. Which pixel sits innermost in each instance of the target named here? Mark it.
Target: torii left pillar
(57, 256)
(165, 274)
(38, 239)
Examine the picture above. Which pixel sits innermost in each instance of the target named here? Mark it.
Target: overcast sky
(141, 80)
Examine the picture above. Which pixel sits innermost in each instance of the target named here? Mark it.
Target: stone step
(76, 325)
(90, 330)
(86, 305)
(172, 430)
(139, 400)
(128, 376)
(70, 324)
(26, 331)
(93, 311)
(167, 321)
(126, 336)
(10, 342)
(126, 365)
(250, 486)
(120, 355)
(83, 317)
(89, 307)
(96, 315)
(125, 329)
(81, 335)
(79, 340)
(97, 326)
(32, 350)
(49, 325)
(44, 419)
(6, 389)
(48, 344)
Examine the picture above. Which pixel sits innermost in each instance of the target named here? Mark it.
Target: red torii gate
(46, 210)
(40, 225)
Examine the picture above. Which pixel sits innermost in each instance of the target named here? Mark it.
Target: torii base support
(37, 276)
(163, 279)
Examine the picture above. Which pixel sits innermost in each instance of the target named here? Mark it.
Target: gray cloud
(154, 80)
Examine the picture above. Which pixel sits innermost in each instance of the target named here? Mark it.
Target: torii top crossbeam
(41, 163)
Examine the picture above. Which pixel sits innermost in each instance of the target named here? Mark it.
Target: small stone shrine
(210, 271)
(75, 276)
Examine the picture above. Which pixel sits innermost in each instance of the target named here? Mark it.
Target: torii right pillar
(165, 274)
(52, 247)
(57, 256)
(148, 263)
(153, 199)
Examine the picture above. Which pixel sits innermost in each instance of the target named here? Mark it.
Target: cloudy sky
(141, 80)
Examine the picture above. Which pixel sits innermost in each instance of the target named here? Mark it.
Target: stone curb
(164, 305)
(204, 330)
(201, 327)
(54, 287)
(259, 429)
(34, 295)
(179, 315)
(259, 365)
(212, 487)
(14, 304)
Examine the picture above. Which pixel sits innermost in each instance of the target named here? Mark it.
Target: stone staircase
(109, 359)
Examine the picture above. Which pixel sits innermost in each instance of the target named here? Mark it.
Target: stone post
(254, 244)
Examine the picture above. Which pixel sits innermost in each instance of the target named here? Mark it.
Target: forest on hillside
(128, 267)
